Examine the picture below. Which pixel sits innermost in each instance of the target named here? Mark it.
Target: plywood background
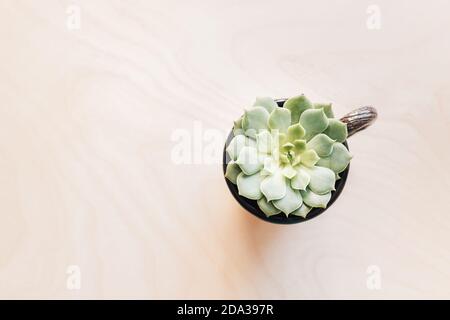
(86, 174)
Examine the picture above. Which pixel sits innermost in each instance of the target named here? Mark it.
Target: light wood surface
(86, 174)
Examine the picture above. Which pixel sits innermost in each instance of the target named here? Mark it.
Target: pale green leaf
(322, 144)
(282, 137)
(238, 123)
(249, 160)
(326, 107)
(237, 128)
(309, 158)
(270, 166)
(289, 172)
(337, 130)
(314, 121)
(235, 146)
(267, 207)
(322, 179)
(290, 202)
(301, 180)
(249, 186)
(315, 200)
(255, 119)
(284, 158)
(280, 119)
(266, 102)
(295, 132)
(302, 211)
(297, 105)
(338, 160)
(287, 147)
(233, 170)
(264, 142)
(299, 146)
(274, 187)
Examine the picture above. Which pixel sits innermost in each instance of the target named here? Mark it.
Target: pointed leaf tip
(314, 121)
(267, 207)
(249, 185)
(326, 107)
(280, 119)
(322, 179)
(322, 144)
(290, 202)
(336, 130)
(274, 187)
(249, 160)
(315, 200)
(297, 105)
(266, 102)
(295, 132)
(338, 160)
(254, 120)
(232, 171)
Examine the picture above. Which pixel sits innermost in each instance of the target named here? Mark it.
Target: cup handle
(359, 119)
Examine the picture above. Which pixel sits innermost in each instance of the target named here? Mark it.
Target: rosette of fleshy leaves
(287, 159)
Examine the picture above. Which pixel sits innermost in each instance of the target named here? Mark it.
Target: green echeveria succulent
(287, 159)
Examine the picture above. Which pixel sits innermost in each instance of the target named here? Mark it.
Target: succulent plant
(287, 159)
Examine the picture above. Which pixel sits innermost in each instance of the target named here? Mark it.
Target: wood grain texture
(86, 176)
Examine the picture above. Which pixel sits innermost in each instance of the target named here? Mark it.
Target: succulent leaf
(289, 172)
(314, 121)
(322, 179)
(299, 146)
(295, 132)
(255, 119)
(282, 137)
(267, 207)
(236, 145)
(301, 180)
(237, 128)
(338, 160)
(315, 200)
(233, 170)
(336, 130)
(309, 158)
(249, 160)
(264, 142)
(287, 147)
(270, 166)
(249, 186)
(266, 102)
(326, 107)
(284, 159)
(280, 119)
(302, 211)
(274, 187)
(322, 144)
(297, 105)
(290, 202)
